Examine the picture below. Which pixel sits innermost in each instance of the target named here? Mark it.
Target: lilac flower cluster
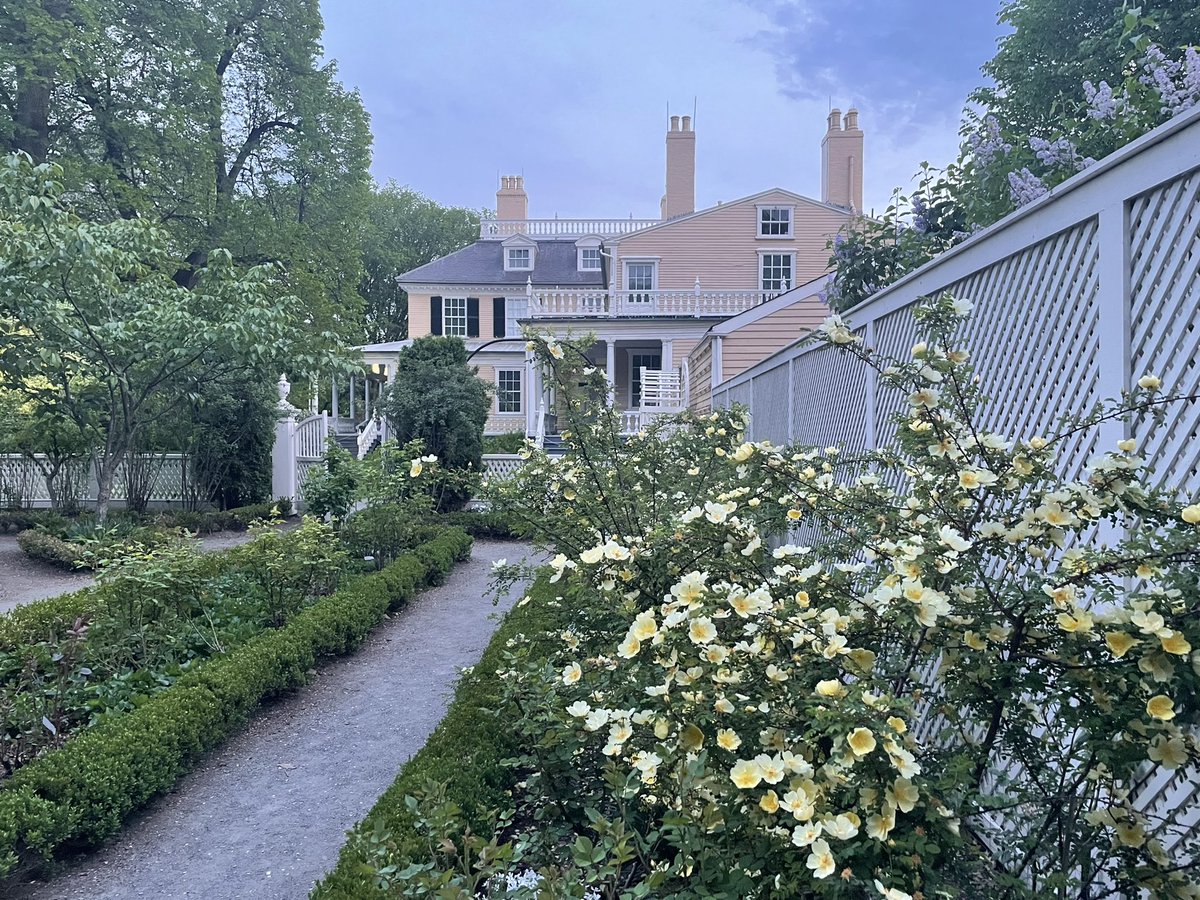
(1025, 187)
(1059, 153)
(920, 214)
(988, 144)
(1102, 104)
(1177, 82)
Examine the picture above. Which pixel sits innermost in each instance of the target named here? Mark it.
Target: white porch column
(366, 397)
(283, 453)
(351, 398)
(333, 398)
(532, 392)
(668, 355)
(610, 372)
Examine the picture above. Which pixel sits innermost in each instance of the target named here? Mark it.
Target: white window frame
(520, 410)
(762, 259)
(643, 261)
(458, 312)
(595, 268)
(772, 207)
(508, 264)
(515, 309)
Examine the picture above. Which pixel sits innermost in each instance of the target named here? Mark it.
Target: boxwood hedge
(81, 793)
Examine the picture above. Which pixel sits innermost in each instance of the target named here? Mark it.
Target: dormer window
(775, 221)
(517, 258)
(587, 253)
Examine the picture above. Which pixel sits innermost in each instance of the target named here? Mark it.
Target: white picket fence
(22, 483)
(1076, 296)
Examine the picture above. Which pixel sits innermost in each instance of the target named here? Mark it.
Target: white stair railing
(370, 433)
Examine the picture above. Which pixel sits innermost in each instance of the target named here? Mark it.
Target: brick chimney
(680, 197)
(512, 203)
(842, 161)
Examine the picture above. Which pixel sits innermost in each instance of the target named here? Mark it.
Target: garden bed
(81, 793)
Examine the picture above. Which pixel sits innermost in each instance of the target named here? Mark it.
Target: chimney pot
(674, 123)
(687, 123)
(851, 119)
(835, 120)
(512, 203)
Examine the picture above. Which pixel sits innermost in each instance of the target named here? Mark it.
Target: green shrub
(33, 622)
(80, 794)
(512, 442)
(491, 524)
(49, 548)
(18, 520)
(465, 753)
(382, 533)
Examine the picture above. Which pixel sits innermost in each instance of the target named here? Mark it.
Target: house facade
(655, 294)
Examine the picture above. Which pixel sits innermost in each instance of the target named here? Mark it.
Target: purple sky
(574, 95)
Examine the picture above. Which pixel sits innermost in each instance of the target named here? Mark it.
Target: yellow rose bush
(934, 669)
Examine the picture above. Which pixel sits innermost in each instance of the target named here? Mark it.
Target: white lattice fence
(501, 466)
(1075, 297)
(23, 484)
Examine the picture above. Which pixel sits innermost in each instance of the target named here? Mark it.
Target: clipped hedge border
(482, 524)
(465, 752)
(80, 794)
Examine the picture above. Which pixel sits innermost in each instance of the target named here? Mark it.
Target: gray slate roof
(555, 263)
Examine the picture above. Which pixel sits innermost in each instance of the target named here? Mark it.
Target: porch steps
(554, 445)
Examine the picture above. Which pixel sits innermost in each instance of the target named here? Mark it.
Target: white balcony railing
(498, 229)
(583, 303)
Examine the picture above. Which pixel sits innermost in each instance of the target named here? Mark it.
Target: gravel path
(23, 579)
(267, 814)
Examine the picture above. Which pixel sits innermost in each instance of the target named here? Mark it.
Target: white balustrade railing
(584, 303)
(661, 390)
(367, 438)
(631, 421)
(499, 229)
(1075, 297)
(311, 436)
(539, 437)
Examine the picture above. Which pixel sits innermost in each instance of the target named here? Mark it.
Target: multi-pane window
(518, 258)
(774, 221)
(515, 309)
(638, 361)
(639, 281)
(777, 271)
(454, 316)
(508, 390)
(589, 259)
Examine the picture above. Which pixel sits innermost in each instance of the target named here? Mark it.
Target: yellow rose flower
(702, 630)
(1171, 752)
(861, 741)
(831, 688)
(1175, 643)
(727, 739)
(745, 774)
(1127, 446)
(415, 468)
(769, 802)
(629, 647)
(1119, 642)
(572, 673)
(1191, 514)
(906, 794)
(820, 859)
(1150, 382)
(723, 705)
(1161, 707)
(897, 724)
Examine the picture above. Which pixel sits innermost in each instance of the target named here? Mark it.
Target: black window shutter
(435, 315)
(472, 317)
(498, 323)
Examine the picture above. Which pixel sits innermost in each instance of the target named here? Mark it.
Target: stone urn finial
(285, 388)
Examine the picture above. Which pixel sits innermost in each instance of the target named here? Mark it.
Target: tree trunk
(106, 474)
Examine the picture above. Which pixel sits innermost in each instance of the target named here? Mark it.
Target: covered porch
(645, 379)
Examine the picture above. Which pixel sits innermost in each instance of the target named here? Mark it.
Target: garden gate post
(283, 454)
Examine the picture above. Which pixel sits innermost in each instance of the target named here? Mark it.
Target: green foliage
(83, 792)
(94, 321)
(291, 566)
(330, 491)
(49, 548)
(437, 399)
(512, 442)
(492, 523)
(1056, 45)
(404, 230)
(379, 534)
(17, 520)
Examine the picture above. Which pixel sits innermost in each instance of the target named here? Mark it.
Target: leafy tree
(216, 120)
(93, 320)
(438, 399)
(405, 229)
(1056, 45)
